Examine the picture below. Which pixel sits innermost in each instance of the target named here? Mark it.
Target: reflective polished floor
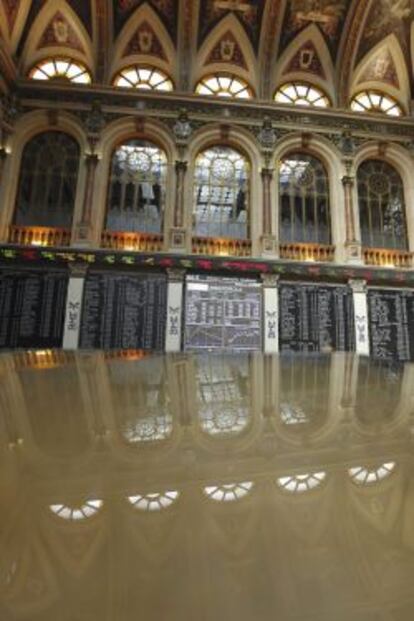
(205, 488)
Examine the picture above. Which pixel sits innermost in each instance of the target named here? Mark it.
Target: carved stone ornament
(267, 135)
(95, 121)
(182, 127)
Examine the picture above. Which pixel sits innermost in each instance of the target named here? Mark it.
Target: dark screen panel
(32, 309)
(124, 311)
(315, 318)
(223, 314)
(391, 321)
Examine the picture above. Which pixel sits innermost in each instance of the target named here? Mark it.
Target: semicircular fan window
(224, 85)
(61, 68)
(373, 101)
(156, 501)
(361, 475)
(228, 492)
(87, 510)
(301, 483)
(144, 78)
(301, 94)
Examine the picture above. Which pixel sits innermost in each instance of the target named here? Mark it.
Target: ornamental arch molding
(29, 126)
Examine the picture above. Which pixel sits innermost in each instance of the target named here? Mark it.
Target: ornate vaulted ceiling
(341, 45)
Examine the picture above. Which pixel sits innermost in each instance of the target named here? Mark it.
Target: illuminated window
(144, 78)
(224, 85)
(61, 68)
(223, 395)
(228, 492)
(304, 197)
(299, 94)
(300, 483)
(155, 501)
(221, 194)
(292, 414)
(136, 194)
(372, 101)
(381, 206)
(87, 510)
(148, 429)
(48, 180)
(369, 476)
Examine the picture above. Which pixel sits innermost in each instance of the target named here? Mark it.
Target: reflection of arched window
(144, 78)
(154, 501)
(148, 428)
(221, 194)
(378, 392)
(300, 94)
(87, 510)
(224, 85)
(381, 206)
(136, 193)
(228, 492)
(370, 475)
(223, 395)
(47, 183)
(300, 483)
(304, 200)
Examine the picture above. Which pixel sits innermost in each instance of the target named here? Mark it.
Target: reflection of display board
(125, 311)
(391, 320)
(223, 314)
(316, 318)
(32, 309)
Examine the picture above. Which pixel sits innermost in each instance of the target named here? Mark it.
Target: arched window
(300, 483)
(224, 85)
(60, 68)
(300, 94)
(87, 510)
(361, 475)
(48, 180)
(304, 200)
(381, 206)
(156, 501)
(229, 492)
(144, 78)
(221, 194)
(372, 101)
(136, 194)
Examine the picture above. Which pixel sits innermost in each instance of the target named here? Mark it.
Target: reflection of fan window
(368, 476)
(87, 510)
(154, 501)
(228, 492)
(300, 483)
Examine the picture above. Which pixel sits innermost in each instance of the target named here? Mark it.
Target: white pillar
(73, 313)
(173, 336)
(270, 314)
(359, 292)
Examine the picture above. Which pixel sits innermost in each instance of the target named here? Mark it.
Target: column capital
(348, 181)
(181, 166)
(78, 270)
(267, 173)
(175, 274)
(91, 159)
(270, 280)
(358, 285)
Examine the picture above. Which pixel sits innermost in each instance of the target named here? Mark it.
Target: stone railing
(39, 236)
(383, 257)
(222, 246)
(138, 242)
(321, 253)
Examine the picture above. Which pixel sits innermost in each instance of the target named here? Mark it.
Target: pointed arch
(32, 53)
(204, 64)
(383, 68)
(144, 14)
(13, 21)
(323, 73)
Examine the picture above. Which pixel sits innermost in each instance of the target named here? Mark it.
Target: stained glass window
(370, 475)
(300, 483)
(144, 78)
(381, 206)
(372, 101)
(48, 180)
(228, 492)
(87, 510)
(61, 68)
(155, 501)
(304, 200)
(136, 194)
(221, 194)
(224, 85)
(300, 94)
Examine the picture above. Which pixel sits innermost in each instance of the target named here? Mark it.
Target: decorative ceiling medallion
(145, 41)
(381, 69)
(60, 33)
(306, 60)
(227, 50)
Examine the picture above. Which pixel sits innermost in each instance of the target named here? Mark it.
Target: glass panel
(301, 94)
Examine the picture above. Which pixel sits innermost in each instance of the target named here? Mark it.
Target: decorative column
(178, 234)
(359, 292)
(267, 138)
(83, 229)
(74, 302)
(270, 314)
(173, 335)
(352, 246)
